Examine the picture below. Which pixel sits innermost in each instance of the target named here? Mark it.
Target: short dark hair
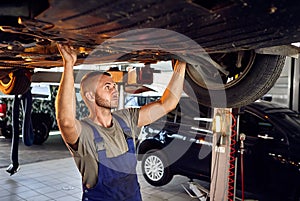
(90, 76)
(95, 73)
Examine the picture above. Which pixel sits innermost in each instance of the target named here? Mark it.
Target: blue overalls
(117, 179)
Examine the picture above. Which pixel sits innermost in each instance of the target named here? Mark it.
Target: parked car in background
(138, 101)
(43, 111)
(5, 128)
(42, 115)
(181, 144)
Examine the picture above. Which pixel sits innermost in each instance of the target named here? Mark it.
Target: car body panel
(217, 26)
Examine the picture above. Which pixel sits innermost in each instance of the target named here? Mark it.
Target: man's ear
(90, 96)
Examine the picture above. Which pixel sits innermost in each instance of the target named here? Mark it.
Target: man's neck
(103, 117)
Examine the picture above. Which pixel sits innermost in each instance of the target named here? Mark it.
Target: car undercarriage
(230, 34)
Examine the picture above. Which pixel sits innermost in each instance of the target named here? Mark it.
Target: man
(102, 145)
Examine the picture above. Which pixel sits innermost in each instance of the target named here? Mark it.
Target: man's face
(106, 95)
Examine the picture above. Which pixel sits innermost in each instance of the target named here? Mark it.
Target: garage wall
(286, 89)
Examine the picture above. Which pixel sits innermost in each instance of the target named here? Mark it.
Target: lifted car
(234, 48)
(179, 144)
(42, 116)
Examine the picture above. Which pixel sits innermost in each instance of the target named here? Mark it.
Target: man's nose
(115, 89)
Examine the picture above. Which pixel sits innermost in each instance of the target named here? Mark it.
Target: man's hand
(68, 54)
(155, 110)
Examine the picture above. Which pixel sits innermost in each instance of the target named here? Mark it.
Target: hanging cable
(242, 177)
(27, 131)
(242, 138)
(232, 160)
(14, 154)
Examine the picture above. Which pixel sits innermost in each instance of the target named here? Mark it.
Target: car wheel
(40, 128)
(7, 132)
(41, 133)
(249, 76)
(155, 168)
(16, 82)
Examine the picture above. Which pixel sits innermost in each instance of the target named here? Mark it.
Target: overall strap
(127, 133)
(123, 125)
(97, 136)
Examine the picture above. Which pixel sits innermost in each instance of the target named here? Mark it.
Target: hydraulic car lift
(194, 190)
(223, 166)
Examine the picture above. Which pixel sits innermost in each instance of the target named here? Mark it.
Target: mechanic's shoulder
(126, 112)
(86, 125)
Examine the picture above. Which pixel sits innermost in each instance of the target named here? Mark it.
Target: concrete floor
(53, 148)
(48, 172)
(60, 180)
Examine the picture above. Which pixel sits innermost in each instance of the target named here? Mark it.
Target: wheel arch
(261, 76)
(147, 145)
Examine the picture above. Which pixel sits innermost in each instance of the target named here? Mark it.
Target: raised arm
(170, 98)
(65, 99)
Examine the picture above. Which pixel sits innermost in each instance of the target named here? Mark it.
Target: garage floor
(49, 173)
(59, 180)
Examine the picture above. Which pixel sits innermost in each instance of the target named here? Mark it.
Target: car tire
(16, 82)
(41, 133)
(155, 168)
(256, 79)
(40, 127)
(7, 132)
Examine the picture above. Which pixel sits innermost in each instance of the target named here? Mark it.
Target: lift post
(222, 168)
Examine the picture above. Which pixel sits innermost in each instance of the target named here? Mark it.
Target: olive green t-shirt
(114, 143)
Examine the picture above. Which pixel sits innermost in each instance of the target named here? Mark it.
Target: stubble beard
(101, 102)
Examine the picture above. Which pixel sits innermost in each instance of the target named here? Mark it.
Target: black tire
(255, 79)
(40, 124)
(7, 132)
(161, 174)
(41, 133)
(15, 83)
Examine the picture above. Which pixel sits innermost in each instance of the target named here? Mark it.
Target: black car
(181, 144)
